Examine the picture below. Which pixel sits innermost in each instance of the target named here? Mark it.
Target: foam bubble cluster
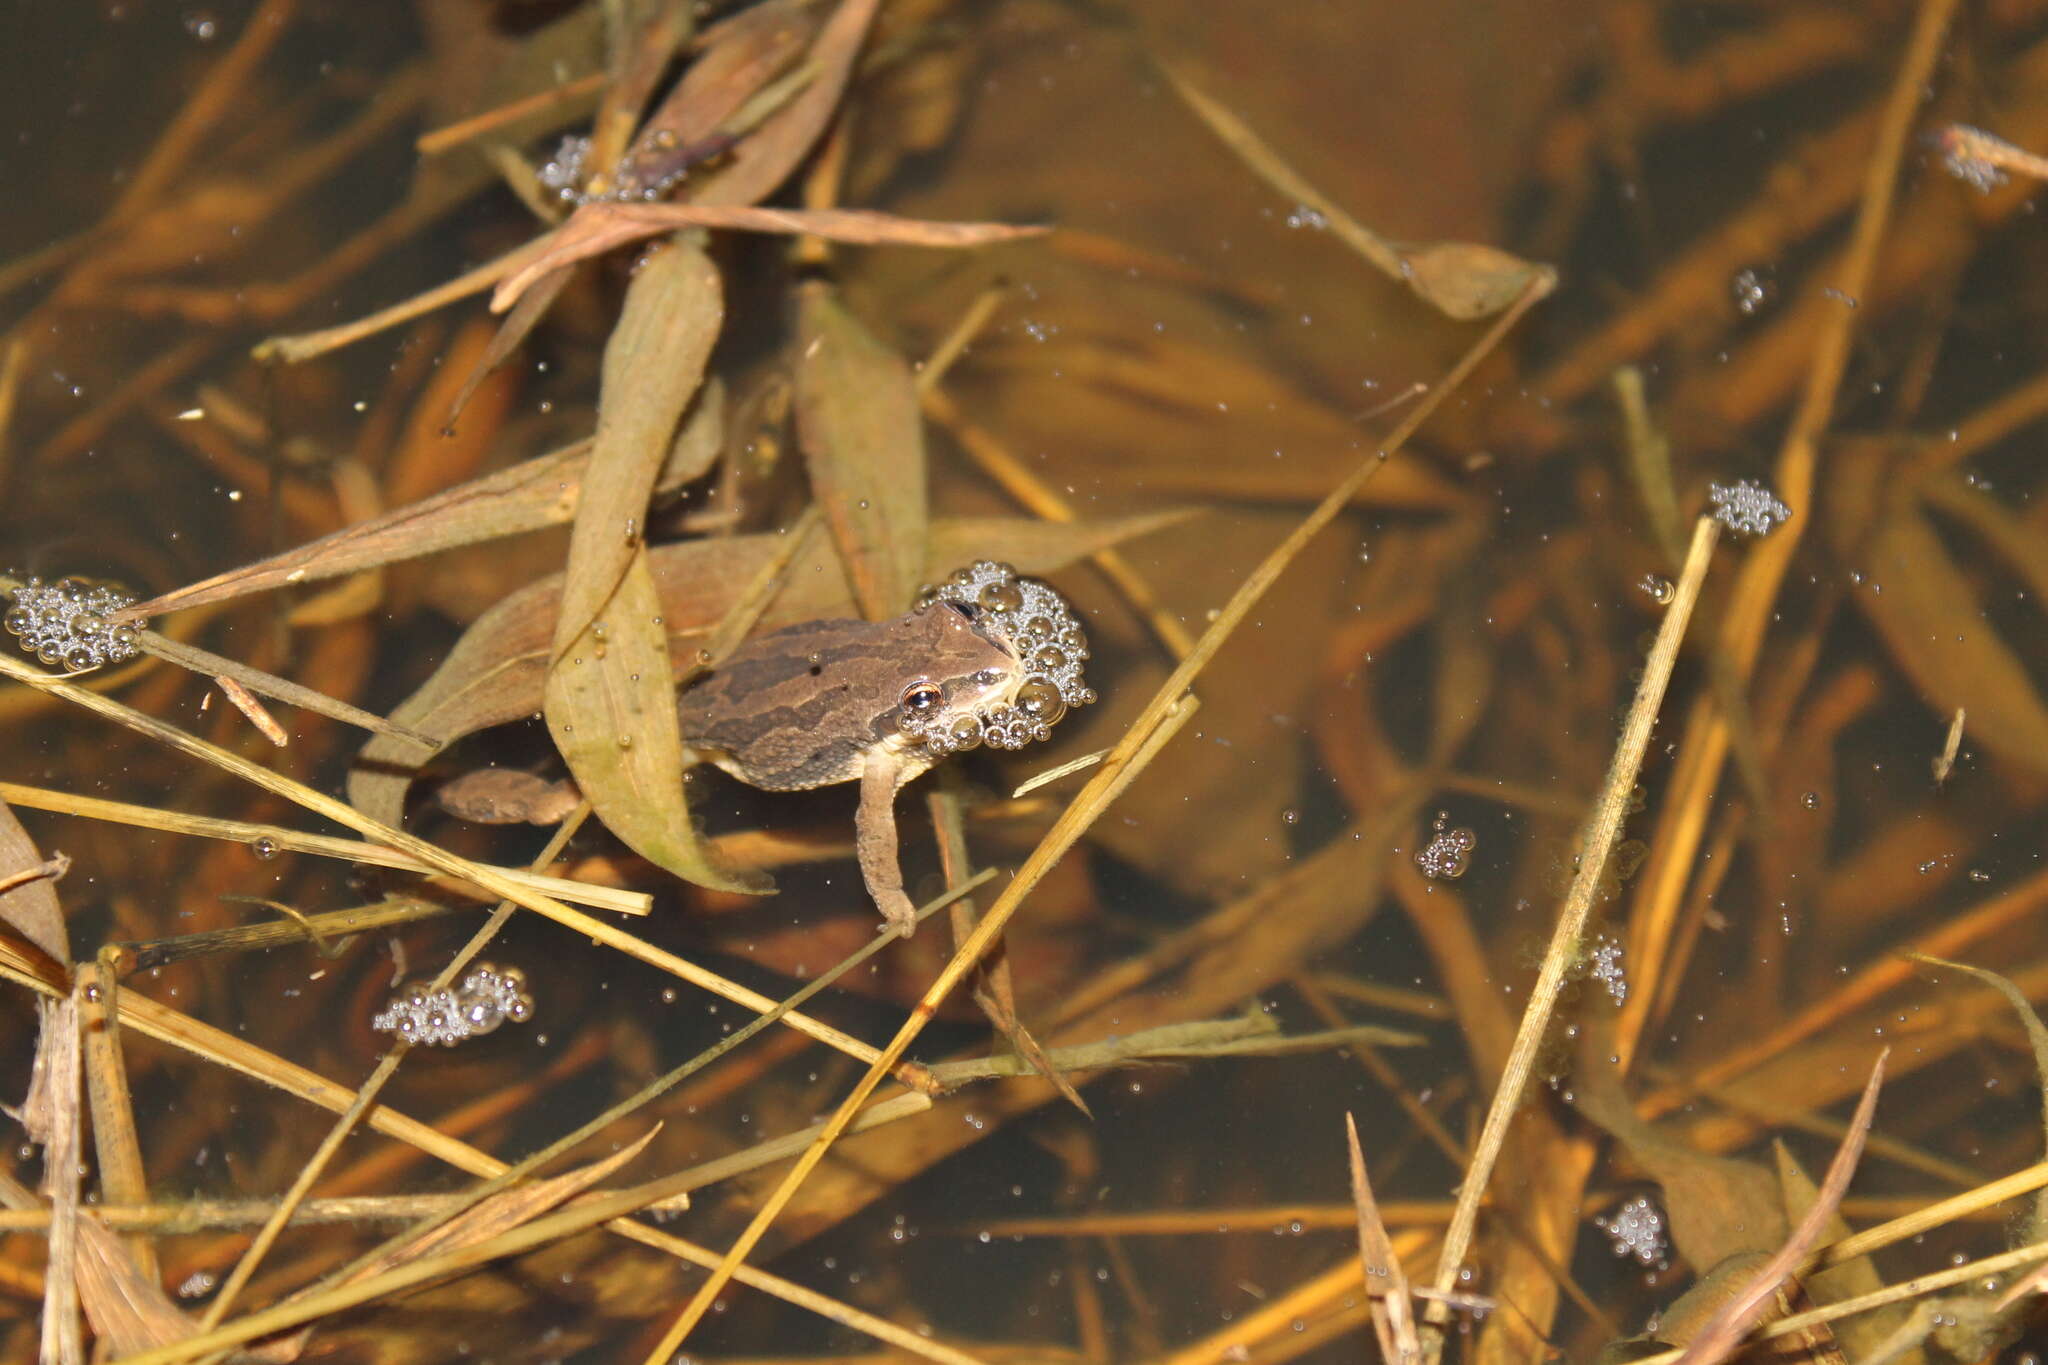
(1636, 1229)
(1034, 623)
(1604, 965)
(1448, 852)
(1747, 508)
(481, 1001)
(65, 625)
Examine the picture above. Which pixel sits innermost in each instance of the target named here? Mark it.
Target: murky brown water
(1463, 640)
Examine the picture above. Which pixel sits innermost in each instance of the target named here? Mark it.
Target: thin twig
(1601, 835)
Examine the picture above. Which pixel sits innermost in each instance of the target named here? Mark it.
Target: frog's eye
(922, 698)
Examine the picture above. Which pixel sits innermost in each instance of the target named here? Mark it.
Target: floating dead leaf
(610, 698)
(496, 671)
(599, 227)
(506, 796)
(1465, 280)
(610, 705)
(863, 439)
(1930, 614)
(29, 902)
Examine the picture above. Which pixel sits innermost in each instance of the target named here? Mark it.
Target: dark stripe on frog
(765, 704)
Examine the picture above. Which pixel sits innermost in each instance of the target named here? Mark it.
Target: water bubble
(1659, 588)
(1752, 289)
(264, 848)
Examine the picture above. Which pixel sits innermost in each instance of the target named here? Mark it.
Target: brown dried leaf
(30, 905)
(653, 363)
(610, 697)
(741, 54)
(863, 439)
(610, 705)
(1393, 1314)
(1930, 616)
(128, 1308)
(1465, 280)
(763, 159)
(1719, 1338)
(1718, 1207)
(529, 496)
(598, 227)
(496, 671)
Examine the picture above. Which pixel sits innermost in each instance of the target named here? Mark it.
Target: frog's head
(1027, 649)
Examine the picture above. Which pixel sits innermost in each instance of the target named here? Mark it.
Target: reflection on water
(1373, 815)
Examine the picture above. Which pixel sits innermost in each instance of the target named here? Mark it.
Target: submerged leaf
(496, 672)
(610, 698)
(1931, 617)
(610, 705)
(1718, 1208)
(863, 439)
(528, 496)
(30, 904)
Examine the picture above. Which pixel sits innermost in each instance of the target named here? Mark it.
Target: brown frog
(985, 658)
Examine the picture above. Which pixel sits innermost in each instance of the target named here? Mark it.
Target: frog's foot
(874, 837)
(896, 909)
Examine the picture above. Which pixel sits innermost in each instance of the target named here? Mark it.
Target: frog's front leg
(882, 775)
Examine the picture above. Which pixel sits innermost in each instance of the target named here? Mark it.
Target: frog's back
(798, 707)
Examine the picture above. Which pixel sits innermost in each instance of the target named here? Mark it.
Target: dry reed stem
(451, 135)
(1603, 831)
(1707, 735)
(281, 839)
(219, 667)
(612, 1210)
(1279, 1315)
(433, 855)
(123, 1178)
(1154, 725)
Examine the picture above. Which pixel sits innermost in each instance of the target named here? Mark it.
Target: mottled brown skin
(818, 703)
